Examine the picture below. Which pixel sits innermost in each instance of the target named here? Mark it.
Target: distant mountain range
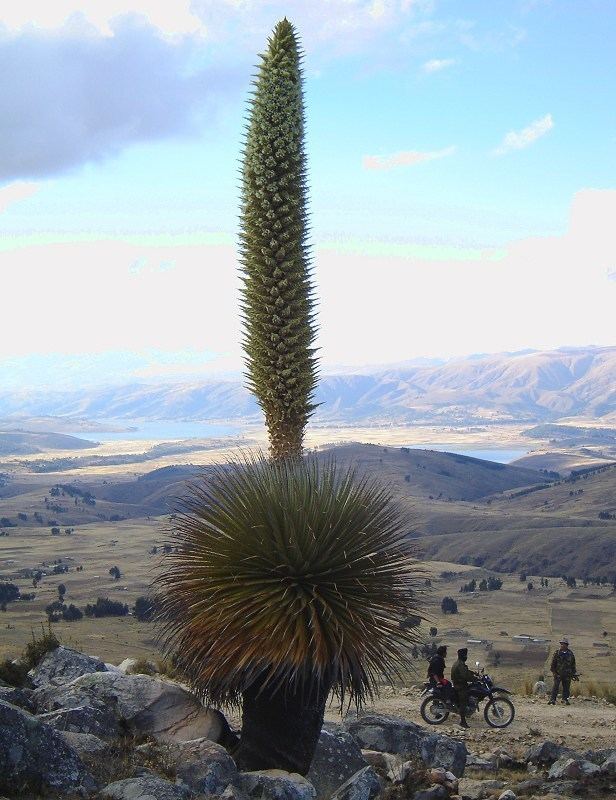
(528, 386)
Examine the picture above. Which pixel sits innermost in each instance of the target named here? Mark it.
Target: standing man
(461, 676)
(563, 670)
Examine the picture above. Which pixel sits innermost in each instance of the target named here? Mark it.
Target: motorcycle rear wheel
(499, 712)
(434, 711)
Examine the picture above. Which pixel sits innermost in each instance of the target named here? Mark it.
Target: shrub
(104, 607)
(38, 648)
(143, 610)
(72, 613)
(115, 573)
(449, 605)
(8, 592)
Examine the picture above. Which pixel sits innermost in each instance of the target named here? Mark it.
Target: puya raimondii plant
(277, 297)
(292, 577)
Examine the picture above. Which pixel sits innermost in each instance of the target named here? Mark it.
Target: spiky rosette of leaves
(289, 573)
(277, 295)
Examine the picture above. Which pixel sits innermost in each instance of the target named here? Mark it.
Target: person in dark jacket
(563, 670)
(461, 676)
(436, 666)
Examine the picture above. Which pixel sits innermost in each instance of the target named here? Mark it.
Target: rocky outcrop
(145, 787)
(363, 785)
(337, 758)
(17, 697)
(546, 753)
(275, 784)
(63, 665)
(204, 766)
(161, 709)
(395, 735)
(34, 757)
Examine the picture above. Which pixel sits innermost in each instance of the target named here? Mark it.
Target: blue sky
(456, 148)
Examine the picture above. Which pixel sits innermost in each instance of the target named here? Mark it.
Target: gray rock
(97, 720)
(145, 787)
(128, 665)
(540, 688)
(443, 751)
(608, 767)
(508, 794)
(275, 784)
(203, 765)
(478, 790)
(63, 665)
(483, 764)
(436, 792)
(396, 735)
(596, 756)
(337, 757)
(233, 793)
(546, 753)
(162, 709)
(84, 743)
(572, 768)
(17, 697)
(363, 785)
(34, 756)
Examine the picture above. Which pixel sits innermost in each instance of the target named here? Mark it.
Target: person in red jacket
(436, 667)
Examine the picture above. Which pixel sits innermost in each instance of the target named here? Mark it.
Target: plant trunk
(281, 730)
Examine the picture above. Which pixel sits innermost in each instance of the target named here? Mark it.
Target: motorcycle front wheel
(499, 712)
(434, 711)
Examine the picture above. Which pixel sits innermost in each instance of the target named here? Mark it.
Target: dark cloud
(76, 95)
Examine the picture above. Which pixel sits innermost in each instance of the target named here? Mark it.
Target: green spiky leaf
(288, 573)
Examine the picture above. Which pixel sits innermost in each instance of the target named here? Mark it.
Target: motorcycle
(439, 701)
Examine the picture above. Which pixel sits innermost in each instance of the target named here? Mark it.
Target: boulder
(204, 766)
(17, 697)
(145, 787)
(63, 665)
(540, 688)
(608, 767)
(479, 763)
(478, 790)
(363, 785)
(436, 792)
(565, 768)
(337, 757)
(36, 757)
(161, 709)
(275, 784)
(508, 794)
(572, 768)
(97, 720)
(84, 743)
(128, 665)
(443, 751)
(546, 753)
(396, 735)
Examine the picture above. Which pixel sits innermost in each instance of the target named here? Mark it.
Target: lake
(501, 455)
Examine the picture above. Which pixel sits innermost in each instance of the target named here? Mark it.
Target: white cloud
(406, 158)
(16, 191)
(518, 140)
(75, 95)
(172, 18)
(437, 64)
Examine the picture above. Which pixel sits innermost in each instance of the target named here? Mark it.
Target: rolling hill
(528, 387)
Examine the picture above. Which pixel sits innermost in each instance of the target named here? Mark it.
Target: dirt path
(584, 725)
